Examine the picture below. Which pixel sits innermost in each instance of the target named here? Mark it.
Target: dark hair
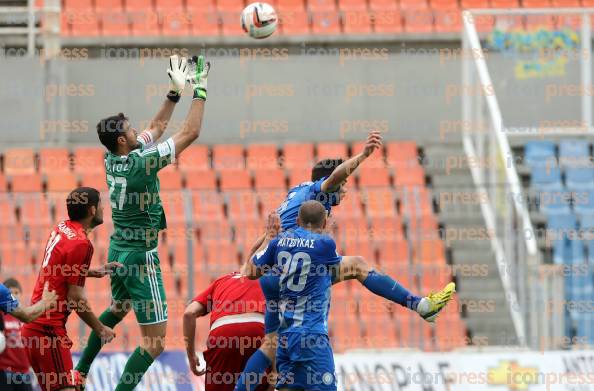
(324, 168)
(80, 200)
(12, 283)
(312, 213)
(109, 129)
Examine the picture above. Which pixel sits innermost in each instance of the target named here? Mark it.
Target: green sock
(94, 344)
(138, 363)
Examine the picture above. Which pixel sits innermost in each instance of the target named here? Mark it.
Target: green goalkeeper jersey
(137, 211)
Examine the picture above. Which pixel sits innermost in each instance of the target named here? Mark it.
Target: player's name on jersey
(296, 242)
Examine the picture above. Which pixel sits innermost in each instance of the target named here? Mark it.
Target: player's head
(312, 216)
(15, 287)
(116, 134)
(323, 169)
(84, 206)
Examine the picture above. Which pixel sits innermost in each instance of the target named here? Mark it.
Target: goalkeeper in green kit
(132, 162)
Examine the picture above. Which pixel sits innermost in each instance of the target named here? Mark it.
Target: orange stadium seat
(373, 177)
(447, 21)
(410, 176)
(7, 212)
(19, 161)
(165, 6)
(61, 182)
(289, 5)
(418, 21)
(86, 25)
(351, 205)
(321, 5)
(356, 22)
(3, 183)
(235, 180)
(201, 180)
(387, 22)
(35, 210)
(379, 202)
(352, 5)
(415, 200)
(108, 5)
(170, 179)
(139, 5)
(483, 23)
(352, 229)
(272, 178)
(229, 23)
(298, 176)
(298, 155)
(247, 231)
(205, 23)
(207, 206)
(230, 5)
(82, 5)
(222, 254)
(227, 156)
(26, 183)
(197, 5)
(261, 156)
(145, 23)
(173, 203)
(89, 159)
(536, 3)
(413, 4)
(375, 160)
(213, 231)
(429, 251)
(383, 5)
(444, 4)
(331, 151)
(242, 205)
(325, 22)
(271, 199)
(468, 4)
(434, 277)
(177, 23)
(394, 256)
(294, 22)
(535, 22)
(386, 228)
(194, 158)
(361, 248)
(54, 160)
(401, 153)
(504, 3)
(115, 24)
(95, 180)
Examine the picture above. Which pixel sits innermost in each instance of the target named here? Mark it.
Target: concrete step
(468, 238)
(453, 181)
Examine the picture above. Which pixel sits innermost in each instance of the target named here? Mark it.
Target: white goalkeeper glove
(197, 76)
(177, 71)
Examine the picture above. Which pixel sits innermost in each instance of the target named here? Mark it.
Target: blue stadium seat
(573, 152)
(556, 201)
(539, 152)
(568, 252)
(585, 203)
(543, 176)
(567, 221)
(579, 178)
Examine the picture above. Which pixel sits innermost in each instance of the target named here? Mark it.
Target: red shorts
(49, 355)
(229, 349)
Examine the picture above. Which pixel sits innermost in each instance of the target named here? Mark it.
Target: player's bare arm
(78, 299)
(273, 227)
(197, 75)
(342, 172)
(193, 310)
(28, 314)
(105, 270)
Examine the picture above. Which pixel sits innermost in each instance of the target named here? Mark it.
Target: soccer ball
(259, 20)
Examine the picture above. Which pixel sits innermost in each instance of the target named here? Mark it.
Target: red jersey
(66, 261)
(232, 294)
(14, 358)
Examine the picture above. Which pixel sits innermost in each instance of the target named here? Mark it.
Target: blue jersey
(306, 191)
(305, 259)
(7, 301)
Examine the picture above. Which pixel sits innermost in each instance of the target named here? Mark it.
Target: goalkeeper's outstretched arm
(197, 74)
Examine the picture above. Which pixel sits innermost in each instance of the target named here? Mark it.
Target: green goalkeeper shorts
(139, 282)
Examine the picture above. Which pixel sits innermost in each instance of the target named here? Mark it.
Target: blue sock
(384, 286)
(254, 372)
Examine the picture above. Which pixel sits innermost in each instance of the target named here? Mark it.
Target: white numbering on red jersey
(51, 243)
(112, 182)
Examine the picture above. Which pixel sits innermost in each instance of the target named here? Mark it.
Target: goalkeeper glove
(197, 76)
(177, 71)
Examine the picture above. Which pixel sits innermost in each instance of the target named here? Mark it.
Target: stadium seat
(26, 183)
(61, 182)
(207, 206)
(536, 3)
(387, 22)
(585, 203)
(108, 6)
(3, 184)
(379, 202)
(139, 5)
(294, 22)
(165, 6)
(373, 177)
(230, 25)
(504, 3)
(261, 156)
(235, 180)
(353, 230)
(473, 4)
(567, 3)
(555, 201)
(227, 156)
(298, 155)
(351, 205)
(289, 5)
(271, 199)
(574, 153)
(447, 21)
(403, 153)
(539, 153)
(248, 231)
(537, 22)
(579, 178)
(386, 228)
(201, 5)
(35, 210)
(352, 5)
(19, 161)
(230, 5)
(410, 176)
(444, 5)
(242, 205)
(170, 179)
(54, 160)
(393, 254)
(201, 180)
(173, 204)
(356, 22)
(415, 201)
(114, 24)
(383, 5)
(95, 180)
(418, 21)
(298, 176)
(89, 159)
(78, 5)
(331, 151)
(429, 251)
(222, 254)
(325, 22)
(321, 5)
(413, 4)
(194, 158)
(145, 23)
(542, 176)
(84, 25)
(272, 178)
(205, 23)
(176, 23)
(7, 213)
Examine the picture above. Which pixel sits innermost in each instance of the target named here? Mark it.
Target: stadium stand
(386, 217)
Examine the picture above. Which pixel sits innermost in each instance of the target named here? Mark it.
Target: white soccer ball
(259, 20)
(2, 342)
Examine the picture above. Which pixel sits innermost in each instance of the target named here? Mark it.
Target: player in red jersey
(65, 266)
(236, 306)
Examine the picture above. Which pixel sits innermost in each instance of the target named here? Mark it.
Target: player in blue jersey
(305, 257)
(10, 305)
(329, 178)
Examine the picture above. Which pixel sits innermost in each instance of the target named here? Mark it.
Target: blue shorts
(270, 287)
(305, 361)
